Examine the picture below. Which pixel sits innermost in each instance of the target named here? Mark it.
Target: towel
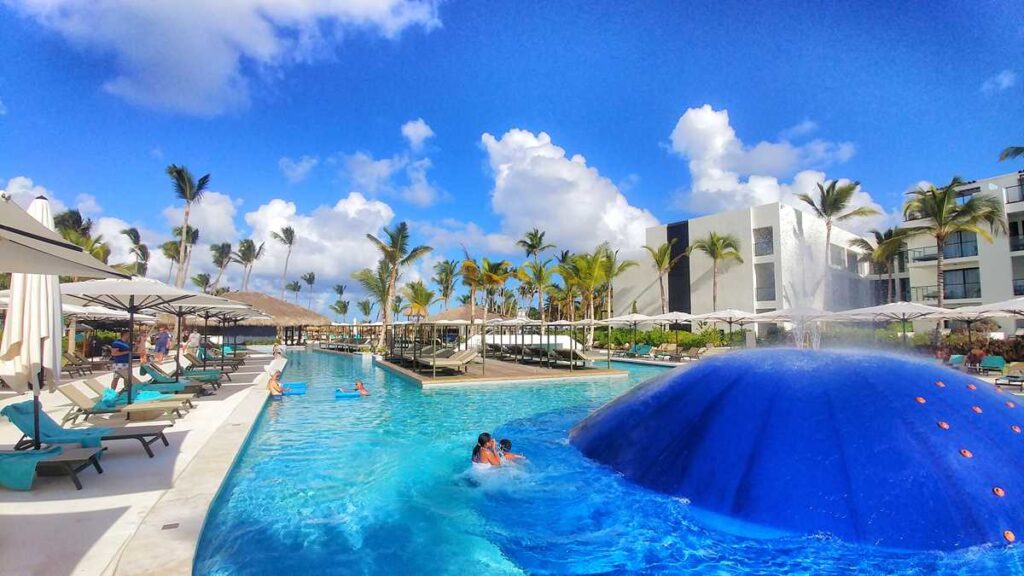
(111, 399)
(50, 432)
(18, 469)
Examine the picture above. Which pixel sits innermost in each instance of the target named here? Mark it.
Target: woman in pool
(484, 453)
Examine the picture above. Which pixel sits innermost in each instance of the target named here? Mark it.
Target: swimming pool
(381, 485)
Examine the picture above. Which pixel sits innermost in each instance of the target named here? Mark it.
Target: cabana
(289, 321)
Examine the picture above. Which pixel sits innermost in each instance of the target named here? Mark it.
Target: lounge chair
(72, 361)
(192, 368)
(217, 361)
(82, 406)
(957, 361)
(694, 353)
(992, 364)
(456, 362)
(19, 468)
(97, 387)
(159, 378)
(21, 415)
(640, 351)
(95, 363)
(572, 356)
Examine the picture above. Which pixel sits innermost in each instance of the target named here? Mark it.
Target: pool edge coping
(189, 501)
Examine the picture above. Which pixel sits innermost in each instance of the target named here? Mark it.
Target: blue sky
(675, 109)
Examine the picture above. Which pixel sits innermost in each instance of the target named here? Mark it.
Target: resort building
(783, 251)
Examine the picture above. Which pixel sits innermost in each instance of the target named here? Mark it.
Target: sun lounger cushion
(18, 469)
(50, 432)
(997, 363)
(111, 399)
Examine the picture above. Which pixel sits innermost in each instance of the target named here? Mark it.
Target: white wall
(640, 283)
(735, 280)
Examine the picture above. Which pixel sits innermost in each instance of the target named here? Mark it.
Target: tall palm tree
(493, 276)
(221, 254)
(190, 241)
(395, 250)
(587, 272)
(446, 272)
(1011, 152)
(294, 287)
(833, 205)
(538, 276)
(340, 289)
(190, 191)
(170, 251)
(533, 244)
(375, 282)
(287, 237)
(247, 255)
(720, 248)
(139, 251)
(95, 246)
(309, 278)
(397, 305)
(202, 281)
(472, 278)
(613, 268)
(882, 252)
(365, 308)
(72, 220)
(340, 307)
(420, 299)
(661, 258)
(943, 217)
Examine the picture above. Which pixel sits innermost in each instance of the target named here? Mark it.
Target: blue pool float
(294, 388)
(342, 395)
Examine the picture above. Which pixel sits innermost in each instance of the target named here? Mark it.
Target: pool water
(383, 485)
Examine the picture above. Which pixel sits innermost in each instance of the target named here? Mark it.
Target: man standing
(162, 343)
(120, 357)
(194, 339)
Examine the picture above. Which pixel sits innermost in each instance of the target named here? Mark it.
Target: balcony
(951, 292)
(1014, 194)
(931, 254)
(1016, 243)
(766, 294)
(764, 248)
(1018, 287)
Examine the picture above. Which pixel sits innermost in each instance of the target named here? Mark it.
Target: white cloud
(87, 205)
(1003, 81)
(3, 108)
(726, 174)
(449, 234)
(195, 56)
(799, 130)
(416, 132)
(156, 153)
(23, 191)
(396, 176)
(371, 175)
(295, 171)
(420, 191)
(537, 185)
(213, 216)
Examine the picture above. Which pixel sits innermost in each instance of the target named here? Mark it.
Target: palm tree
(396, 252)
(397, 305)
(247, 255)
(365, 308)
(463, 299)
(586, 271)
(202, 281)
(833, 205)
(663, 262)
(375, 282)
(613, 268)
(882, 252)
(190, 242)
(92, 245)
(720, 248)
(72, 220)
(538, 276)
(487, 276)
(309, 278)
(339, 289)
(294, 287)
(420, 299)
(170, 251)
(944, 216)
(221, 254)
(445, 274)
(138, 250)
(287, 237)
(533, 244)
(340, 307)
(1011, 152)
(190, 191)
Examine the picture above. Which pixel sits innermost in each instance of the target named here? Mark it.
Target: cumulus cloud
(213, 216)
(295, 171)
(398, 176)
(416, 132)
(537, 185)
(199, 57)
(420, 191)
(449, 234)
(87, 205)
(1003, 81)
(23, 191)
(726, 174)
(799, 130)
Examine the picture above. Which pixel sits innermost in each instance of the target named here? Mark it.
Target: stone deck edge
(154, 551)
(426, 383)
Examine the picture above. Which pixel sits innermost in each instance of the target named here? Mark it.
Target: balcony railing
(1018, 287)
(1014, 194)
(931, 254)
(764, 248)
(766, 294)
(950, 292)
(1016, 243)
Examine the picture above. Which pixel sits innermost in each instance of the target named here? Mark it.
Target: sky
(476, 121)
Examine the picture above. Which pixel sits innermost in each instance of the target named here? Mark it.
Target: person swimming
(361, 388)
(505, 451)
(274, 384)
(484, 453)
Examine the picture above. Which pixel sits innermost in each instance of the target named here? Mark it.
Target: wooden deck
(499, 371)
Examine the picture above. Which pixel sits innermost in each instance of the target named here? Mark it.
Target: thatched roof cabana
(462, 313)
(282, 314)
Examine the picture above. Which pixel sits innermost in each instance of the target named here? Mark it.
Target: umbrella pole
(36, 407)
(206, 333)
(131, 344)
(177, 347)
(903, 326)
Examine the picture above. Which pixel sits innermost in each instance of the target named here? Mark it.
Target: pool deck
(142, 515)
(500, 372)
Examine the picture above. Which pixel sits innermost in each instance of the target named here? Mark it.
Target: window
(960, 245)
(836, 255)
(851, 261)
(963, 283)
(764, 279)
(963, 196)
(763, 241)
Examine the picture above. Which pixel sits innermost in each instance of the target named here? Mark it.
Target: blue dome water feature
(866, 447)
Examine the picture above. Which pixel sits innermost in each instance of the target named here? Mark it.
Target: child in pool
(505, 451)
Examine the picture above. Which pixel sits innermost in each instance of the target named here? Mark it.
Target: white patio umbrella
(730, 316)
(36, 255)
(899, 311)
(132, 296)
(972, 314)
(74, 313)
(1013, 307)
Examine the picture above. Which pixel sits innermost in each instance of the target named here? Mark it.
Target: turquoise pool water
(382, 485)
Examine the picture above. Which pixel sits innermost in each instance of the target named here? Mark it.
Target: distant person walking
(162, 343)
(194, 339)
(120, 358)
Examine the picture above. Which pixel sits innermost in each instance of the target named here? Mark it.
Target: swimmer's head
(483, 439)
(505, 444)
